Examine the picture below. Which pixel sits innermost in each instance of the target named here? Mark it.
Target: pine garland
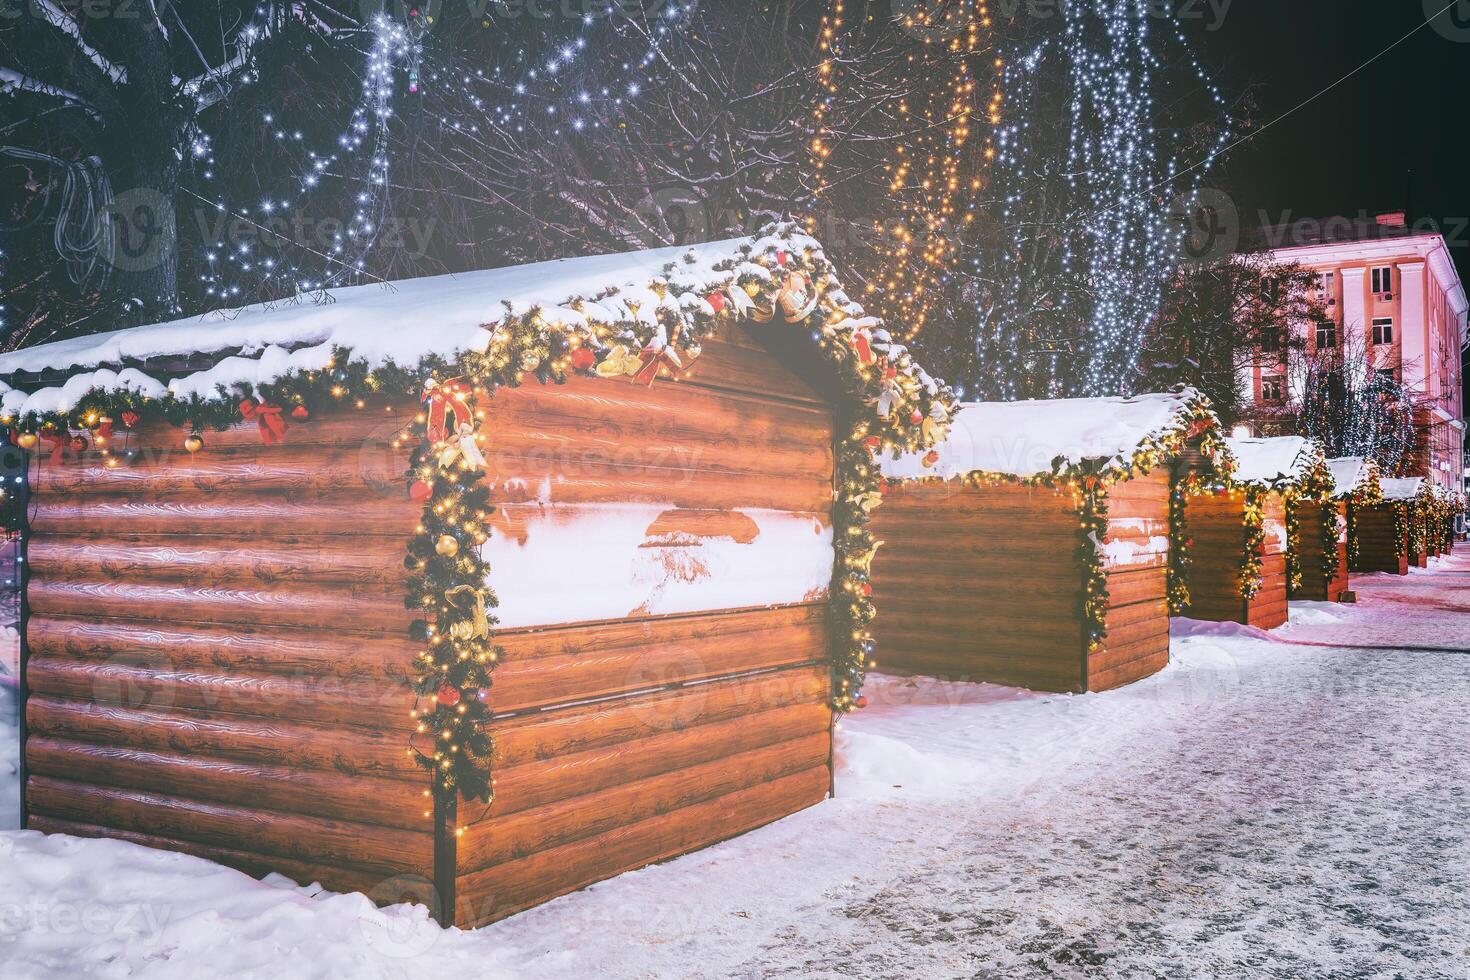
(1254, 510)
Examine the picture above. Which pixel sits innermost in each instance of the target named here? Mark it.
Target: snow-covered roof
(1034, 438)
(1273, 461)
(1407, 488)
(1348, 473)
(400, 323)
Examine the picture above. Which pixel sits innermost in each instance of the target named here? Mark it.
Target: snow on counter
(1024, 438)
(1283, 459)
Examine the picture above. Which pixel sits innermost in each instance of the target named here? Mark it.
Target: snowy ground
(1293, 804)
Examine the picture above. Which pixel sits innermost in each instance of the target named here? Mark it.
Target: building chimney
(1392, 219)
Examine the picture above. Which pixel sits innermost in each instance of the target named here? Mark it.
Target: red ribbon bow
(654, 358)
(268, 416)
(58, 442)
(447, 408)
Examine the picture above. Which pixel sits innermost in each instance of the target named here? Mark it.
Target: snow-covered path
(1294, 804)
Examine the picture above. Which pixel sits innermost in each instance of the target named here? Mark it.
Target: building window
(1271, 388)
(1383, 330)
(1386, 375)
(1383, 280)
(1326, 335)
(1271, 339)
(1324, 285)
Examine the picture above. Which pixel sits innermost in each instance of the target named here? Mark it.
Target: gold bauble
(530, 362)
(26, 440)
(447, 546)
(194, 443)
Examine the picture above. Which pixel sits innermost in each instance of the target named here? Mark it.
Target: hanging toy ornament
(469, 447)
(447, 545)
(194, 442)
(78, 444)
(104, 428)
(797, 300)
(448, 695)
(716, 301)
(467, 597)
(301, 413)
(130, 419)
(583, 359)
(889, 396)
(419, 491)
(26, 440)
(862, 345)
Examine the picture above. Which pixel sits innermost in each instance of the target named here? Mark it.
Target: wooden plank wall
(1376, 551)
(979, 585)
(1312, 559)
(217, 652)
(1137, 643)
(709, 723)
(1216, 523)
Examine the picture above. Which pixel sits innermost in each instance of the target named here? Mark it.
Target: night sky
(1393, 136)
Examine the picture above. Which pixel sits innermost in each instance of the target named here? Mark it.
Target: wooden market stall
(1379, 530)
(278, 645)
(1355, 487)
(1032, 548)
(1413, 500)
(1238, 532)
(1317, 530)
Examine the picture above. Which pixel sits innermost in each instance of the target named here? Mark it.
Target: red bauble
(419, 491)
(716, 300)
(583, 359)
(448, 695)
(301, 413)
(782, 258)
(862, 701)
(916, 417)
(867, 589)
(872, 442)
(890, 372)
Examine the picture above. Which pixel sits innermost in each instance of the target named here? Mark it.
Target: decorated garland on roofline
(638, 335)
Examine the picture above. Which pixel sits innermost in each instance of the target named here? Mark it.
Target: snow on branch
(64, 22)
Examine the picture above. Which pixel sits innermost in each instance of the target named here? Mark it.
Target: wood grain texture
(1216, 524)
(1376, 547)
(1312, 554)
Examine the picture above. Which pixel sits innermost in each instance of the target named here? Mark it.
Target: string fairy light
(933, 172)
(1122, 238)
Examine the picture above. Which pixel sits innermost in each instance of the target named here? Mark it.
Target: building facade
(1394, 294)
